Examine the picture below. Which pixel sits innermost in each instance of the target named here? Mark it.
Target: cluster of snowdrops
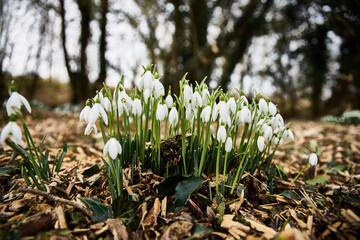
(220, 133)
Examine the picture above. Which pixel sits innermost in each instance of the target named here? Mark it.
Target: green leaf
(126, 210)
(100, 211)
(321, 180)
(94, 169)
(167, 187)
(335, 169)
(184, 189)
(61, 158)
(290, 194)
(5, 171)
(76, 217)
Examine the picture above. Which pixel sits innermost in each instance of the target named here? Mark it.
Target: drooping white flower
(158, 89)
(263, 107)
(196, 100)
(97, 111)
(12, 131)
(232, 105)
(89, 128)
(205, 96)
(13, 104)
(267, 130)
(223, 110)
(136, 107)
(188, 92)
(288, 135)
(84, 113)
(272, 109)
(215, 112)
(221, 134)
(261, 143)
(147, 80)
(243, 100)
(205, 114)
(147, 94)
(277, 121)
(189, 113)
(245, 115)
(228, 144)
(313, 159)
(112, 147)
(169, 101)
(161, 112)
(173, 117)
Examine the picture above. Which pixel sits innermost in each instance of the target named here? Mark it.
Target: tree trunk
(102, 45)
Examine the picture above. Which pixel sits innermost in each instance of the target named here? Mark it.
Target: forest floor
(323, 203)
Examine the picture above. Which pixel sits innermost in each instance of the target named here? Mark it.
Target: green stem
(217, 168)
(302, 170)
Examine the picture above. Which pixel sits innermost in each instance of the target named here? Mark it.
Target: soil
(323, 203)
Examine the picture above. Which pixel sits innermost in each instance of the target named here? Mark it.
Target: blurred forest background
(305, 54)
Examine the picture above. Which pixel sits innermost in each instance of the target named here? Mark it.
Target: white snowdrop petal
(106, 148)
(313, 159)
(221, 134)
(169, 101)
(5, 132)
(261, 143)
(25, 102)
(16, 131)
(272, 109)
(228, 144)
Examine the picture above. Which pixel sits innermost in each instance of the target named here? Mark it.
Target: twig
(57, 199)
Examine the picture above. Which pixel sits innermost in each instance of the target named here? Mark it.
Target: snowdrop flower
(243, 100)
(221, 134)
(104, 101)
(112, 147)
(147, 94)
(14, 103)
(215, 112)
(261, 143)
(173, 117)
(147, 80)
(169, 101)
(89, 128)
(196, 100)
(272, 109)
(158, 89)
(136, 108)
(84, 113)
(205, 96)
(232, 105)
(267, 130)
(313, 159)
(228, 144)
(13, 131)
(97, 111)
(278, 121)
(244, 115)
(263, 107)
(223, 110)
(189, 113)
(288, 135)
(188, 92)
(161, 112)
(205, 114)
